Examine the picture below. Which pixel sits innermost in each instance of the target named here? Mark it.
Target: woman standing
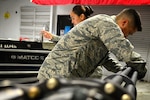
(77, 15)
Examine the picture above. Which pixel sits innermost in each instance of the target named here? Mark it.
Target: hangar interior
(23, 49)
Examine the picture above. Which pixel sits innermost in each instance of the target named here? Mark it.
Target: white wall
(10, 28)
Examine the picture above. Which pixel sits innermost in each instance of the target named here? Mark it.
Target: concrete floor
(143, 90)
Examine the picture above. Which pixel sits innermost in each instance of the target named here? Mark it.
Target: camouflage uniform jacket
(86, 46)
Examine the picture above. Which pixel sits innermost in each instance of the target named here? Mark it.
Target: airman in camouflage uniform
(87, 45)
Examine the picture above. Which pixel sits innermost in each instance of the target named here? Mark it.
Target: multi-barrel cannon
(119, 86)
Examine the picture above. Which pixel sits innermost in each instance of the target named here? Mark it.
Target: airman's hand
(46, 34)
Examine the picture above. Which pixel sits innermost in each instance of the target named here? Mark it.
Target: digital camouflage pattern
(86, 46)
(55, 38)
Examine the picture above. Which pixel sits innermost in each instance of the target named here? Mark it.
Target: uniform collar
(114, 18)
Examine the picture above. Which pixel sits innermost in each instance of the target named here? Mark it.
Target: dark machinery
(120, 86)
